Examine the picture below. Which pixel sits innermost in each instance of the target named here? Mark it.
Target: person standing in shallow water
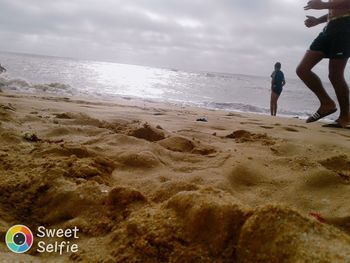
(332, 43)
(277, 83)
(2, 69)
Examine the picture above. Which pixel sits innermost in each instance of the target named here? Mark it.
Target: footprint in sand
(288, 149)
(322, 180)
(251, 122)
(242, 136)
(298, 126)
(66, 150)
(77, 119)
(219, 128)
(290, 129)
(234, 115)
(181, 144)
(178, 144)
(266, 127)
(340, 134)
(339, 164)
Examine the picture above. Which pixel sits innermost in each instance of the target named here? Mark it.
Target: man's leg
(336, 76)
(312, 81)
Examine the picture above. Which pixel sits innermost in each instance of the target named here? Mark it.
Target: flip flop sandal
(318, 115)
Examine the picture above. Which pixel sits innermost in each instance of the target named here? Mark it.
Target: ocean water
(104, 80)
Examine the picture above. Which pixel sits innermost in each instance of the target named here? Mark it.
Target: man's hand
(316, 4)
(311, 21)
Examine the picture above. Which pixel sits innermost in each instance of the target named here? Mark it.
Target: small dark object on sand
(32, 137)
(202, 119)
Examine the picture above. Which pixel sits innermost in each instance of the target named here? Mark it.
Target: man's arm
(313, 21)
(322, 19)
(318, 5)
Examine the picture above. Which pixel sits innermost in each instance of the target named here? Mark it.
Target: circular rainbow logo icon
(19, 239)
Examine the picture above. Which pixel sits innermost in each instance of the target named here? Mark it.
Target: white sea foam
(24, 86)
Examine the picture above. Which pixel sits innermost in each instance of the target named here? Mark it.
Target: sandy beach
(147, 182)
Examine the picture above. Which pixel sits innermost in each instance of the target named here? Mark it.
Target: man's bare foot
(343, 121)
(327, 107)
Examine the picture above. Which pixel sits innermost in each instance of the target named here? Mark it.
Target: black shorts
(334, 40)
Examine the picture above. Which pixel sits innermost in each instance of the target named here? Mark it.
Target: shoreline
(149, 102)
(225, 106)
(146, 181)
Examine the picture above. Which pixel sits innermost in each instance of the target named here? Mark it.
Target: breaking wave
(24, 86)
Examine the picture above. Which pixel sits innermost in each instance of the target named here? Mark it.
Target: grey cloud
(195, 35)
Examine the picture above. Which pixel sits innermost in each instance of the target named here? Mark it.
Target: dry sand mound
(4, 115)
(122, 196)
(147, 133)
(279, 235)
(244, 176)
(65, 115)
(169, 189)
(9, 137)
(214, 221)
(140, 160)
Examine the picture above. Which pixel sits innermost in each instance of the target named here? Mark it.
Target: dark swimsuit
(277, 78)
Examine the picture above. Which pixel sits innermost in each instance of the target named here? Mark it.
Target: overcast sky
(235, 36)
